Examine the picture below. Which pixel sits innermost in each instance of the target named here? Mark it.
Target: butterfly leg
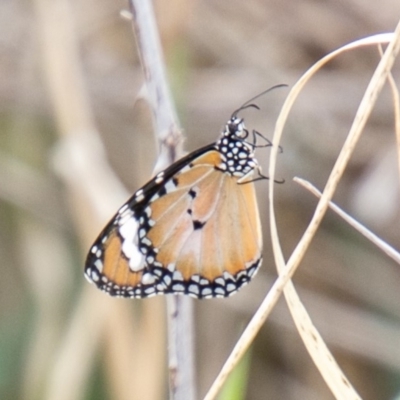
(268, 144)
(259, 177)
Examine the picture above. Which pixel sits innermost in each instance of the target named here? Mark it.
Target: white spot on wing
(171, 267)
(136, 259)
(230, 287)
(99, 265)
(219, 290)
(149, 291)
(186, 168)
(167, 280)
(128, 231)
(178, 287)
(227, 276)
(123, 208)
(139, 197)
(150, 259)
(220, 281)
(94, 276)
(148, 279)
(177, 276)
(142, 232)
(194, 289)
(206, 291)
(159, 177)
(146, 241)
(170, 186)
(157, 272)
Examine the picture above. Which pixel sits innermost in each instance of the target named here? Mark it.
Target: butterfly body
(194, 229)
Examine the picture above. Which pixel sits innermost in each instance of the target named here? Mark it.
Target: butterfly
(193, 229)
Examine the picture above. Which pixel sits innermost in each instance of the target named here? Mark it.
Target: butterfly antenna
(248, 103)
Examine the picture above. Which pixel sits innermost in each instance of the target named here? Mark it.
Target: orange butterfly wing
(193, 229)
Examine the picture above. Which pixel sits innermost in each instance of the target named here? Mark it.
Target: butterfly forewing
(193, 229)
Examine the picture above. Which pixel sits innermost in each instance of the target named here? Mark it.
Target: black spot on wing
(162, 191)
(198, 224)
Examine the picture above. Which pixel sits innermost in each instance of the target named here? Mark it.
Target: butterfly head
(235, 128)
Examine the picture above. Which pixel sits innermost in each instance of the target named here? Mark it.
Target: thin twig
(179, 309)
(387, 249)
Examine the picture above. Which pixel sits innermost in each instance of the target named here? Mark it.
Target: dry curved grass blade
(396, 107)
(339, 384)
(326, 364)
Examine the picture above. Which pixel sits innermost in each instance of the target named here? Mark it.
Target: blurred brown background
(219, 54)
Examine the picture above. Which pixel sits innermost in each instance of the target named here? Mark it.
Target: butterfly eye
(233, 127)
(236, 128)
